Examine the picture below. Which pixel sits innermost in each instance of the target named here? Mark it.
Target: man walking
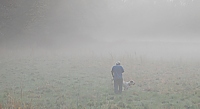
(117, 71)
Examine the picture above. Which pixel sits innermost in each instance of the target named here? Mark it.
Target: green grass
(85, 82)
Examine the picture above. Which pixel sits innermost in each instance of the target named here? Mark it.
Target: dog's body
(128, 84)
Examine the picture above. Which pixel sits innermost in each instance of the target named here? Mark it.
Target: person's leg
(115, 86)
(120, 85)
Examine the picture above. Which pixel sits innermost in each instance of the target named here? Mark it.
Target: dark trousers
(118, 85)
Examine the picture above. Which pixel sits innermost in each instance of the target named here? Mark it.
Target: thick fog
(149, 28)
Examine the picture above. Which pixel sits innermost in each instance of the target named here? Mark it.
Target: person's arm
(122, 70)
(112, 72)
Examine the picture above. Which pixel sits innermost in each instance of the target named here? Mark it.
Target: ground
(63, 82)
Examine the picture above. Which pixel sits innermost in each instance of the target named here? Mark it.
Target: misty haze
(59, 53)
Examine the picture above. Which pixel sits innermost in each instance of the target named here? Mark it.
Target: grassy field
(84, 82)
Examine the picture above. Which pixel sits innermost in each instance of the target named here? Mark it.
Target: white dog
(128, 84)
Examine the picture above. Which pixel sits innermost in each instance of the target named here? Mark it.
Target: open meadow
(85, 82)
(58, 54)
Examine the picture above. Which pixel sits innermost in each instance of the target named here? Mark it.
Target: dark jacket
(117, 71)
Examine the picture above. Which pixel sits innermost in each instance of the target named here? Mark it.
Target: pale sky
(72, 24)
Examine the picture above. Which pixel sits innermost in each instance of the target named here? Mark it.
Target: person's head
(118, 63)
